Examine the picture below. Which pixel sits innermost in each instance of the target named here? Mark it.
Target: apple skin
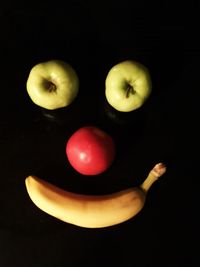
(127, 86)
(52, 84)
(90, 150)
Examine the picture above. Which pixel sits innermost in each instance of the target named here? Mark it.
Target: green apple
(52, 84)
(127, 85)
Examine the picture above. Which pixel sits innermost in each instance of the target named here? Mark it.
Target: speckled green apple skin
(58, 73)
(130, 73)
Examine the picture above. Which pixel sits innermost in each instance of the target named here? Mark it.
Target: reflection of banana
(88, 210)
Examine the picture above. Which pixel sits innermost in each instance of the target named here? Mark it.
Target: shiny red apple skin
(90, 150)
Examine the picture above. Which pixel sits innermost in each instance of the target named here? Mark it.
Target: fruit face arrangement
(90, 150)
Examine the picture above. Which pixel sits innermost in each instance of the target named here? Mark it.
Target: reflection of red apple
(90, 150)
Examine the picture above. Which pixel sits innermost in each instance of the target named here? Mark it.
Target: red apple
(90, 150)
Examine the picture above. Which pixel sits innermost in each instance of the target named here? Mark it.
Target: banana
(91, 211)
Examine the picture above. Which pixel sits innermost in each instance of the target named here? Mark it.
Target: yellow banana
(91, 211)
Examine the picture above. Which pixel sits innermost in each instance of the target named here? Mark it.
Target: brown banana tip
(159, 169)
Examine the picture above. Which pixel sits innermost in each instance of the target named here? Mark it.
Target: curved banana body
(90, 211)
(85, 210)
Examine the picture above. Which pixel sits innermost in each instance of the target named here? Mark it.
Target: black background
(92, 37)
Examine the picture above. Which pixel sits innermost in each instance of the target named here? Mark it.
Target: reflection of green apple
(52, 84)
(128, 85)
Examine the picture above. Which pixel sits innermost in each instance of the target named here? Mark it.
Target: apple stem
(157, 171)
(129, 90)
(50, 86)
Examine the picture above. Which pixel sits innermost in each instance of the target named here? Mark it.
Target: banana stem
(157, 171)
